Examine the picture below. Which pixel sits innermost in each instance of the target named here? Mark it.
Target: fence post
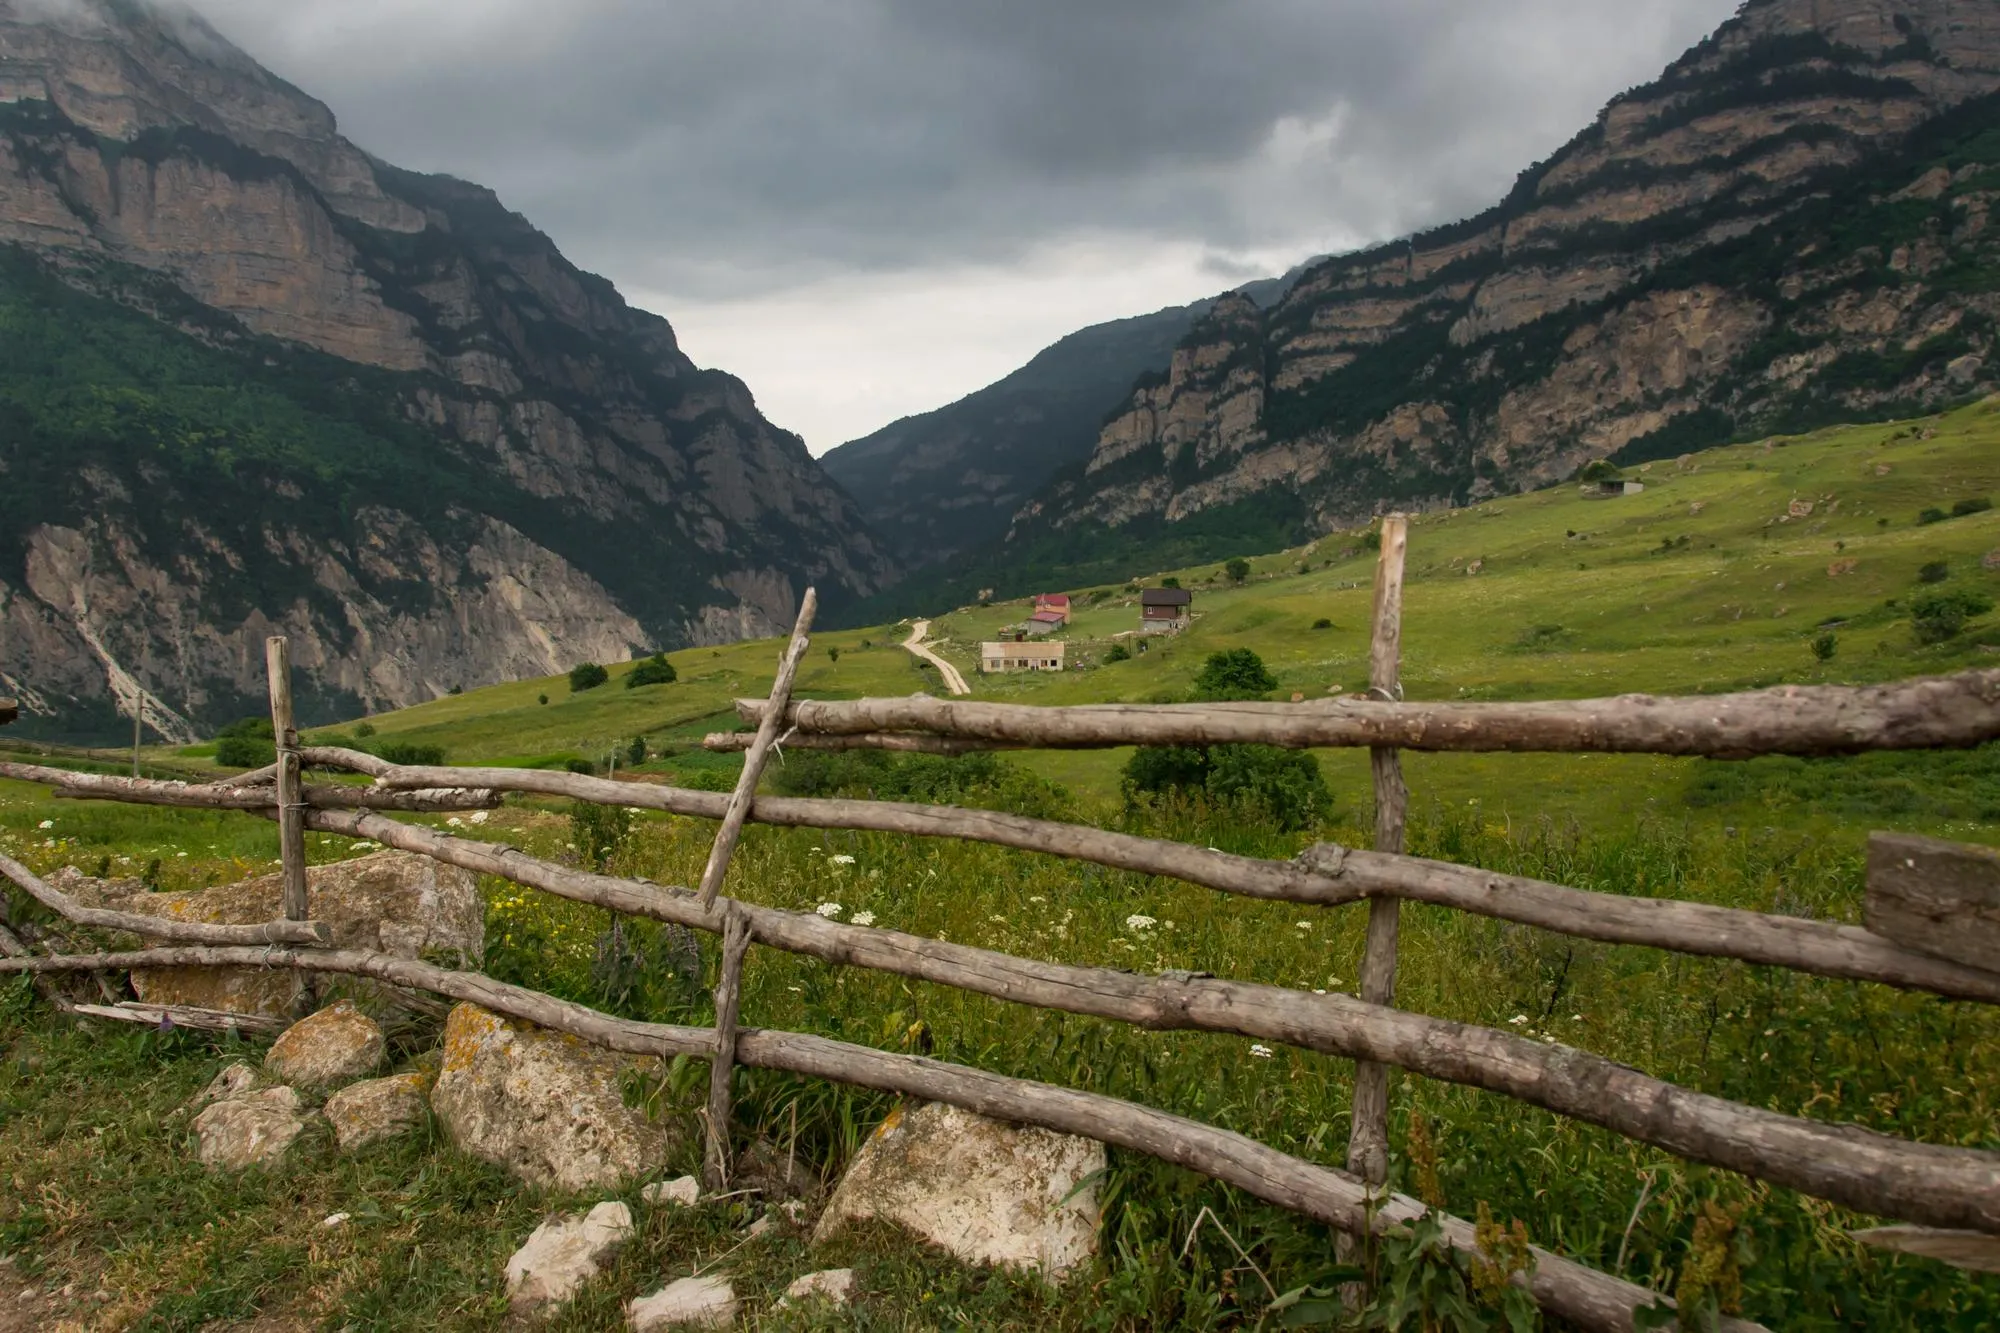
(722, 1068)
(291, 805)
(760, 750)
(1368, 1142)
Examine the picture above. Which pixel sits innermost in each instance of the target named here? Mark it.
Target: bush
(543, 700)
(1371, 540)
(586, 676)
(1170, 583)
(1931, 516)
(598, 831)
(407, 753)
(655, 670)
(1975, 506)
(364, 730)
(1937, 571)
(1825, 646)
(1600, 470)
(1284, 787)
(1237, 570)
(1117, 652)
(249, 743)
(1235, 674)
(583, 766)
(1322, 623)
(1941, 615)
(979, 779)
(636, 752)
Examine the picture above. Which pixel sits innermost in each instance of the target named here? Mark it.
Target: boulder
(563, 1254)
(392, 902)
(836, 1285)
(248, 1129)
(692, 1302)
(545, 1105)
(987, 1191)
(239, 1077)
(377, 1109)
(684, 1192)
(336, 1045)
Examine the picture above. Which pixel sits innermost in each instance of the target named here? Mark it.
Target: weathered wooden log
(1860, 1169)
(290, 799)
(1940, 898)
(738, 808)
(1368, 1136)
(1326, 875)
(1940, 712)
(1583, 1295)
(183, 1016)
(722, 1068)
(215, 796)
(734, 742)
(160, 927)
(1961, 1249)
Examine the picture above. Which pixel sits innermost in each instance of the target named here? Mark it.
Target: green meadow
(1693, 585)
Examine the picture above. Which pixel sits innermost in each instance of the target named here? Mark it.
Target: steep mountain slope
(253, 380)
(950, 480)
(1789, 226)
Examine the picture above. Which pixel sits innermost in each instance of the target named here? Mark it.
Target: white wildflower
(1137, 922)
(455, 822)
(829, 910)
(180, 853)
(1518, 1019)
(1319, 992)
(46, 823)
(480, 816)
(841, 859)
(1302, 925)
(1262, 1052)
(863, 918)
(1036, 898)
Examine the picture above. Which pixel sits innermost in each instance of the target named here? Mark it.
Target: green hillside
(1702, 583)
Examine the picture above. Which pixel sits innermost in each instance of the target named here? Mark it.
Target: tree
(655, 670)
(586, 676)
(1237, 673)
(246, 744)
(637, 751)
(1170, 582)
(1117, 652)
(1941, 615)
(1237, 570)
(1601, 469)
(1825, 646)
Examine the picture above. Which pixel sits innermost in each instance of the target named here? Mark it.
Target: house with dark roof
(1164, 610)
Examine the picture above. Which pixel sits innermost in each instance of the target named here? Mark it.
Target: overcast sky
(868, 208)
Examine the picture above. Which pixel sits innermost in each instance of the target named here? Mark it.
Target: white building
(1042, 655)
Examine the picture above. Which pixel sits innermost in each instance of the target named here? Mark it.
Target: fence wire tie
(778, 745)
(1381, 695)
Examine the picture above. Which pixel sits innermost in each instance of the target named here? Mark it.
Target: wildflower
(1302, 925)
(1262, 1052)
(1137, 922)
(1036, 898)
(841, 859)
(455, 822)
(1518, 1019)
(479, 816)
(46, 823)
(180, 853)
(829, 910)
(1319, 992)
(863, 918)
(1576, 1018)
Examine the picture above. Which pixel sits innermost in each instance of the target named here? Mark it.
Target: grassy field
(102, 1195)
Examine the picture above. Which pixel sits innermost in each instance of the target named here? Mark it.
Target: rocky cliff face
(1788, 226)
(581, 490)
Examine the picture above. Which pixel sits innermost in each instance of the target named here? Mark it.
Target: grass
(103, 1193)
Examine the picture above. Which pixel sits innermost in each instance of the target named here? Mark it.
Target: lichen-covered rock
(249, 1128)
(692, 1302)
(834, 1285)
(545, 1105)
(377, 1109)
(238, 1077)
(563, 1254)
(334, 1046)
(391, 902)
(987, 1191)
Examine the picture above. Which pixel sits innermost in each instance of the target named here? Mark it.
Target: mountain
(950, 480)
(1789, 227)
(253, 380)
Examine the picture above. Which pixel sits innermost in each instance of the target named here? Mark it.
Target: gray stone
(987, 1191)
(249, 1128)
(336, 1045)
(836, 1285)
(692, 1302)
(563, 1254)
(545, 1105)
(377, 1109)
(684, 1192)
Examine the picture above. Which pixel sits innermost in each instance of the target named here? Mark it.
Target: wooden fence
(1932, 915)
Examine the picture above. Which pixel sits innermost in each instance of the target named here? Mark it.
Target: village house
(1053, 604)
(1610, 490)
(1164, 610)
(1000, 658)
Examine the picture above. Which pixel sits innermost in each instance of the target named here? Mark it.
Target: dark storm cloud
(711, 147)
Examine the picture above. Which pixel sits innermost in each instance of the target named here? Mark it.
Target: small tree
(1935, 571)
(1825, 646)
(636, 752)
(1237, 673)
(1117, 652)
(655, 670)
(833, 653)
(586, 676)
(1170, 582)
(1237, 570)
(1941, 615)
(1602, 469)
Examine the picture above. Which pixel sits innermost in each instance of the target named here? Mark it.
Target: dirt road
(915, 643)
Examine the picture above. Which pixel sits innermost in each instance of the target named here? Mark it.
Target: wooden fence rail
(1946, 1187)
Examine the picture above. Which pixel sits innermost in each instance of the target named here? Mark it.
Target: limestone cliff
(1789, 226)
(581, 489)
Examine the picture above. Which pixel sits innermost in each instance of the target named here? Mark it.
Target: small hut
(1164, 610)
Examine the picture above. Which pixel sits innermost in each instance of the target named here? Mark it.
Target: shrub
(1825, 646)
(655, 670)
(1322, 623)
(1170, 583)
(1237, 673)
(1117, 652)
(979, 779)
(544, 700)
(833, 654)
(1931, 516)
(1941, 615)
(636, 752)
(407, 753)
(1600, 470)
(1237, 570)
(586, 676)
(1937, 571)
(1371, 540)
(583, 766)
(598, 831)
(363, 730)
(1284, 787)
(1978, 505)
(246, 744)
